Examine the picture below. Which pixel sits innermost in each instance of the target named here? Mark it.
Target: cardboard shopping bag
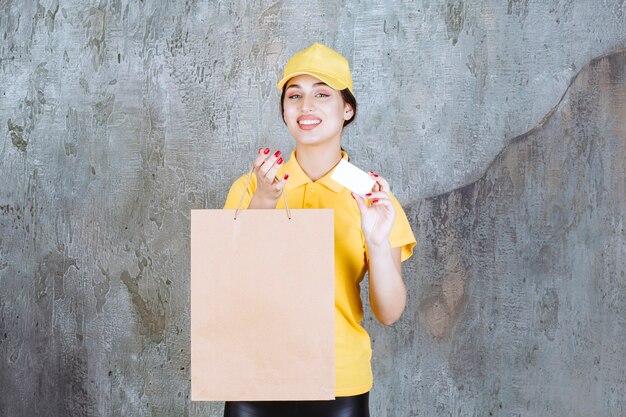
(262, 305)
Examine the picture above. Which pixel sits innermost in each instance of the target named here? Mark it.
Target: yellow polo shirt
(352, 343)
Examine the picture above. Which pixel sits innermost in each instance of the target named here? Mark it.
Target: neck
(317, 161)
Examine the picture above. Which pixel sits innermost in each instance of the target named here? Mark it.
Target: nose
(307, 103)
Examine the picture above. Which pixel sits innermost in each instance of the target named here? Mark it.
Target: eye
(294, 96)
(322, 95)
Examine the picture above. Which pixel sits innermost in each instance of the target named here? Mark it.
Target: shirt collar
(297, 177)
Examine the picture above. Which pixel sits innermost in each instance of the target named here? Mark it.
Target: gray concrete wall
(117, 118)
(518, 284)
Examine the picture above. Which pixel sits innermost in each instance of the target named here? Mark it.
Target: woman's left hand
(376, 218)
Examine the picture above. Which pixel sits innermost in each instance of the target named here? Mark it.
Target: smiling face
(314, 112)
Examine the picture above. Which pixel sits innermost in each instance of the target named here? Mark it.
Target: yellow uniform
(352, 344)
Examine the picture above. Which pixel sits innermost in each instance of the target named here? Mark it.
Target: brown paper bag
(262, 305)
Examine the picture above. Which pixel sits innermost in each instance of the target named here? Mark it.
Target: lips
(308, 122)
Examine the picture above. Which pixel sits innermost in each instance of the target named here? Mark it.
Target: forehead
(304, 80)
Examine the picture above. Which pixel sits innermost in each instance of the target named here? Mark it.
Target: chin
(311, 138)
(308, 142)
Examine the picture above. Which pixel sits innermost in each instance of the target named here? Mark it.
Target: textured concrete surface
(117, 118)
(518, 284)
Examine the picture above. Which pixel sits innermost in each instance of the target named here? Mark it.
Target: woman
(371, 235)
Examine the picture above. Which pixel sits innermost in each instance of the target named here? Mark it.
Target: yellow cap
(321, 62)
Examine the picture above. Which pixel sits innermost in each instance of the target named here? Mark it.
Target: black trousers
(355, 406)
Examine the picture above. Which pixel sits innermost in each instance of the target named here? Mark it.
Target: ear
(348, 112)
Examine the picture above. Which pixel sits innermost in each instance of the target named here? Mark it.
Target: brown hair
(347, 96)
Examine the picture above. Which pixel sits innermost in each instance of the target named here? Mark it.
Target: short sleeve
(237, 190)
(401, 235)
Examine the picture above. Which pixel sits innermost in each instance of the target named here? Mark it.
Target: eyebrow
(314, 85)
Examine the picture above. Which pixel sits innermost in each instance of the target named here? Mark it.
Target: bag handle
(244, 193)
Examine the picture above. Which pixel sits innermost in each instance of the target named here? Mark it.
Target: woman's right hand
(268, 187)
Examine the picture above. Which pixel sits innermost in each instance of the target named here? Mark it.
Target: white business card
(354, 179)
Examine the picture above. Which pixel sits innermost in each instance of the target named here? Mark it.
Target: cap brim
(330, 81)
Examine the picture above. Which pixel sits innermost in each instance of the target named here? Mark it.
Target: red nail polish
(266, 151)
(368, 195)
(375, 200)
(277, 154)
(374, 174)
(286, 177)
(279, 161)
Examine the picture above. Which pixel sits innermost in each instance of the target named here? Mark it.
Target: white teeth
(310, 122)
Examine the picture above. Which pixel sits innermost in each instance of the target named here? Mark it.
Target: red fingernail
(266, 151)
(280, 161)
(286, 177)
(374, 174)
(368, 195)
(277, 154)
(375, 200)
